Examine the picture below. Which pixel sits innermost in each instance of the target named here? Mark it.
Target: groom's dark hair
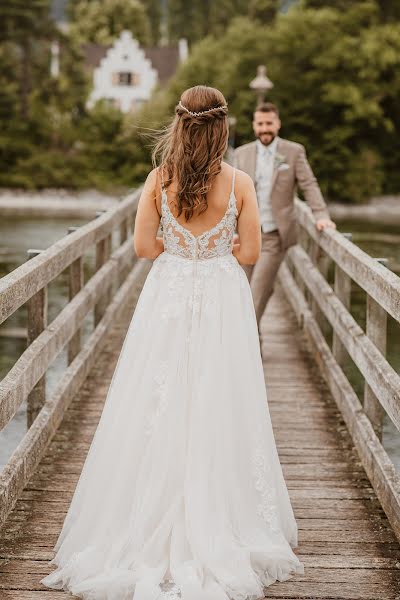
(267, 107)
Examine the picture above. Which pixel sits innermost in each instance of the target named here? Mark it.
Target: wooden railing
(317, 301)
(303, 276)
(104, 294)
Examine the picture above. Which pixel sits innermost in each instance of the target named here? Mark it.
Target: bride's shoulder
(151, 190)
(242, 180)
(152, 184)
(241, 177)
(152, 177)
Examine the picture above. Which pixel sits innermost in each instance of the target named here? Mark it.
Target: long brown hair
(191, 148)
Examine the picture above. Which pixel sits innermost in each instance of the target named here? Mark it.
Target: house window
(125, 78)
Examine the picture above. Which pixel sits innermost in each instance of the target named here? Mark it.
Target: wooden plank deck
(345, 541)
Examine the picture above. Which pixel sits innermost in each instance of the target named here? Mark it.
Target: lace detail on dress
(266, 508)
(211, 243)
(170, 591)
(161, 393)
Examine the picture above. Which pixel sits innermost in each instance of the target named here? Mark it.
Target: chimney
(183, 50)
(55, 59)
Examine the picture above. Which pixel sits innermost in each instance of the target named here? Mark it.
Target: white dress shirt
(264, 172)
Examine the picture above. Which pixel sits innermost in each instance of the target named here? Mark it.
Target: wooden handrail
(20, 285)
(381, 377)
(375, 279)
(34, 362)
(303, 278)
(25, 285)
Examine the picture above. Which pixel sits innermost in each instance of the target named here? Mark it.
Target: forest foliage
(335, 65)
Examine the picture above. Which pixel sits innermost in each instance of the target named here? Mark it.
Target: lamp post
(232, 130)
(231, 140)
(261, 84)
(55, 59)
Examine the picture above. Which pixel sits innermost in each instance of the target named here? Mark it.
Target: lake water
(19, 235)
(379, 242)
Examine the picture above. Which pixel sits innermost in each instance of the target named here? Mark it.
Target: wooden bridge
(344, 489)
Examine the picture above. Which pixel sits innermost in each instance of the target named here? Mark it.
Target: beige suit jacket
(291, 169)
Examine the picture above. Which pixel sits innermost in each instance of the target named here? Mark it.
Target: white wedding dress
(182, 493)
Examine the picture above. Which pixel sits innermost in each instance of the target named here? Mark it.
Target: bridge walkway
(345, 540)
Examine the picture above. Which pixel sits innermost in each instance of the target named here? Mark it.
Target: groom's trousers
(262, 275)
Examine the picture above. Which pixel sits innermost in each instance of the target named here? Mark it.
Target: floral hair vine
(201, 112)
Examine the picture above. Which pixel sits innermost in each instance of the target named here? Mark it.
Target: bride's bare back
(231, 202)
(217, 203)
(216, 240)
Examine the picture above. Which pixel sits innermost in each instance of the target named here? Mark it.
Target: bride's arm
(248, 249)
(147, 222)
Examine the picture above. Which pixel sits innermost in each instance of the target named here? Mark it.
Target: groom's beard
(267, 138)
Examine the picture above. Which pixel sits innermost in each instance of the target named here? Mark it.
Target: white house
(126, 74)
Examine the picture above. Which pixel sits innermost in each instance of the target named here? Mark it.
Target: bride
(182, 493)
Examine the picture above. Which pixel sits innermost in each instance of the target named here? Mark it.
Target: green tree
(335, 75)
(333, 88)
(221, 14)
(101, 21)
(389, 10)
(180, 18)
(264, 11)
(153, 11)
(39, 115)
(20, 25)
(199, 18)
(18, 18)
(336, 82)
(13, 139)
(335, 4)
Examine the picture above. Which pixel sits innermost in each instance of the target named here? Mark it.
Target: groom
(276, 166)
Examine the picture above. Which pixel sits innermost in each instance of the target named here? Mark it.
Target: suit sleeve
(309, 186)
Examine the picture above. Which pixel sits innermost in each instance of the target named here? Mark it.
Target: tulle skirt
(182, 493)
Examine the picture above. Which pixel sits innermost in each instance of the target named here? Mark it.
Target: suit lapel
(276, 162)
(252, 159)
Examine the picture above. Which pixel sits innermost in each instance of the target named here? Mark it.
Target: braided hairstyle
(191, 148)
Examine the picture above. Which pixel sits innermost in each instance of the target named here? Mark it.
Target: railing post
(103, 253)
(303, 239)
(76, 281)
(303, 242)
(131, 222)
(376, 330)
(342, 289)
(321, 261)
(123, 231)
(37, 322)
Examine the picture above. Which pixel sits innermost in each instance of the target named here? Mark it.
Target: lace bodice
(216, 241)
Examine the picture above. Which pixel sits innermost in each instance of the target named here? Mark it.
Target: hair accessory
(202, 112)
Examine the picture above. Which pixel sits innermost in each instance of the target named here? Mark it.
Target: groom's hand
(324, 224)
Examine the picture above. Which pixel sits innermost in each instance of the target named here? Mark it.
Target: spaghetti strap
(163, 190)
(162, 179)
(233, 180)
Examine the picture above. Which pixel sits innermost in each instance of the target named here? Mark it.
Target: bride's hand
(235, 244)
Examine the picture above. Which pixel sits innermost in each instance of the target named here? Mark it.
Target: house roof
(164, 59)
(93, 53)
